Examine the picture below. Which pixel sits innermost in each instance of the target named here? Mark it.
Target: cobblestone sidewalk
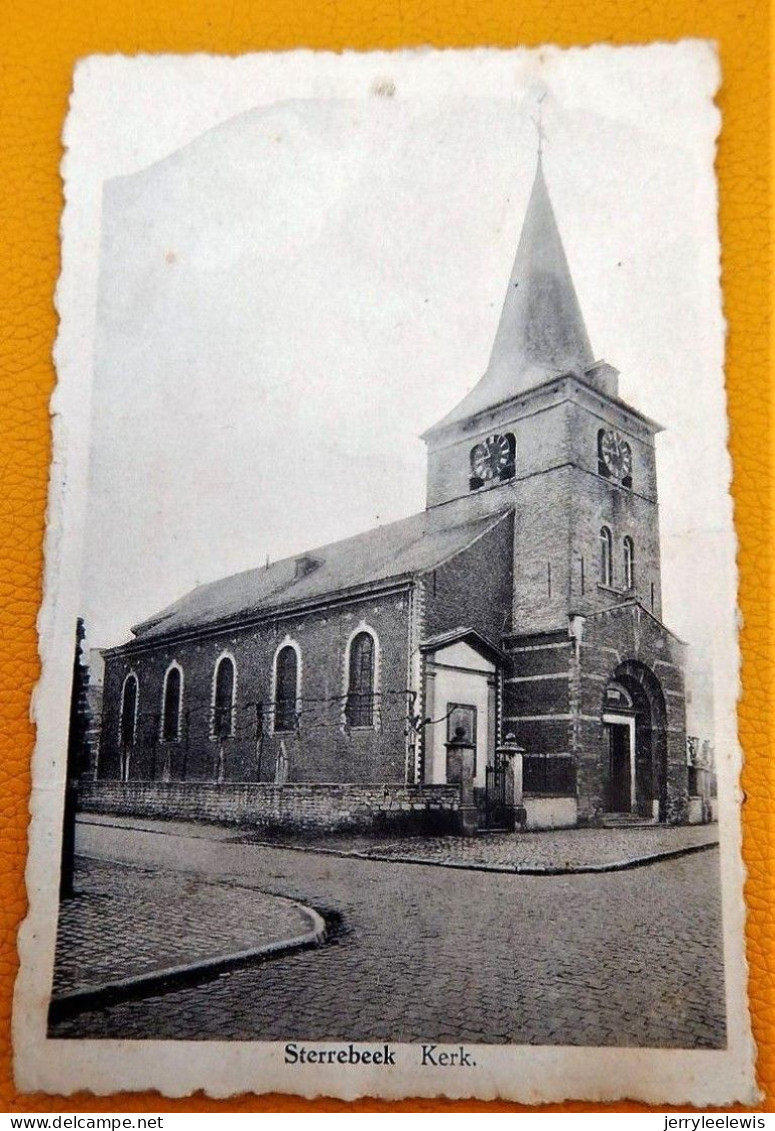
(128, 922)
(560, 850)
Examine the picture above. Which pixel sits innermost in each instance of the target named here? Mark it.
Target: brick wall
(596, 501)
(630, 641)
(541, 552)
(553, 703)
(560, 500)
(536, 421)
(293, 807)
(595, 504)
(474, 587)
(587, 414)
(537, 706)
(557, 547)
(323, 748)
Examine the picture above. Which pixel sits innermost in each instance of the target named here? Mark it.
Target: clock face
(491, 457)
(617, 454)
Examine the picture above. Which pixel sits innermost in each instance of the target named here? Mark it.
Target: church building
(521, 611)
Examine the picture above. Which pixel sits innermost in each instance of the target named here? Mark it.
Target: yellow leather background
(39, 44)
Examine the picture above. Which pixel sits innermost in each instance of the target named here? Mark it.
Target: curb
(170, 977)
(507, 869)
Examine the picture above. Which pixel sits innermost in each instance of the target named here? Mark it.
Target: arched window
(606, 558)
(286, 688)
(629, 563)
(128, 720)
(359, 709)
(171, 704)
(223, 698)
(614, 457)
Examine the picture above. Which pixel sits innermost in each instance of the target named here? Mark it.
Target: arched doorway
(635, 727)
(619, 733)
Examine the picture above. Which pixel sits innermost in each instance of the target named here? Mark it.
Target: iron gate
(496, 812)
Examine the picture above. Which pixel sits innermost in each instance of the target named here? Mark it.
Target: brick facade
(629, 645)
(322, 748)
(473, 588)
(561, 501)
(554, 706)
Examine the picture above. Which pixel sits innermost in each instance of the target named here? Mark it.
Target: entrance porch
(462, 670)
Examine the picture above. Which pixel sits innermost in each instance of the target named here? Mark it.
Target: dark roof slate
(408, 547)
(541, 332)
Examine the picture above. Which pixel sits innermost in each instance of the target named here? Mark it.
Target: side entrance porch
(462, 691)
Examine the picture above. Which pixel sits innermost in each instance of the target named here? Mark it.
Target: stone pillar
(460, 771)
(510, 756)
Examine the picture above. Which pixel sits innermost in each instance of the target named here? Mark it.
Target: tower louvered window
(360, 684)
(606, 557)
(602, 469)
(629, 563)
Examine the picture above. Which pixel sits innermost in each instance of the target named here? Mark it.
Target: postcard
(387, 725)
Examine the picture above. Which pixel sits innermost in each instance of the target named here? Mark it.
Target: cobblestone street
(558, 850)
(424, 953)
(172, 923)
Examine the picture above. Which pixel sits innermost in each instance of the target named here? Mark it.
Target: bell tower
(545, 431)
(592, 681)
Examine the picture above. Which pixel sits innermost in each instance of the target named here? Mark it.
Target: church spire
(541, 333)
(541, 330)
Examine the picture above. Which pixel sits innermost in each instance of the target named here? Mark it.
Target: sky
(280, 270)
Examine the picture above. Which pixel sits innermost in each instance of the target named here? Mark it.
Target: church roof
(541, 333)
(408, 547)
(634, 603)
(467, 635)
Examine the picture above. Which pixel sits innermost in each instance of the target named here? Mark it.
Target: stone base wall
(550, 812)
(294, 807)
